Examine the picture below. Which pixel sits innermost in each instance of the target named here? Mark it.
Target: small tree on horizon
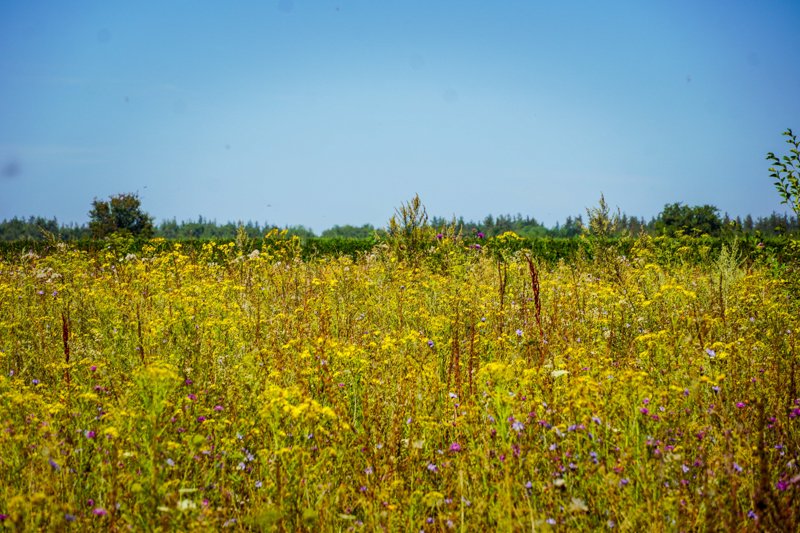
(690, 220)
(122, 213)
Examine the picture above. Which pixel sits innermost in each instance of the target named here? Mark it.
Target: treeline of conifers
(673, 220)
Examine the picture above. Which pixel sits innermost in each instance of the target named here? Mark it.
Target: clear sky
(335, 111)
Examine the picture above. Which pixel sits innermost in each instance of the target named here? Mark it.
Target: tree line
(124, 213)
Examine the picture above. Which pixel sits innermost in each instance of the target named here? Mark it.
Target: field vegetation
(428, 382)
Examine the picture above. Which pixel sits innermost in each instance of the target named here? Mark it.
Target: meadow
(430, 383)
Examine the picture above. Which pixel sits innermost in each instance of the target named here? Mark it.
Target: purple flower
(711, 353)
(99, 511)
(644, 410)
(218, 408)
(201, 419)
(736, 467)
(93, 368)
(69, 517)
(481, 235)
(54, 465)
(430, 344)
(187, 381)
(624, 481)
(432, 467)
(519, 333)
(455, 447)
(517, 426)
(752, 515)
(35, 381)
(439, 236)
(740, 405)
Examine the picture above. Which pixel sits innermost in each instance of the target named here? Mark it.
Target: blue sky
(334, 112)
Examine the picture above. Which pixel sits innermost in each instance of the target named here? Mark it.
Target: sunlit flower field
(469, 387)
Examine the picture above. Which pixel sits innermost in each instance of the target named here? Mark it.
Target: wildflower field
(440, 386)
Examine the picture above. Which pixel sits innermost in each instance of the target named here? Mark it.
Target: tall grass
(471, 388)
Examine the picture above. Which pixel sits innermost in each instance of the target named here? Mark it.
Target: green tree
(785, 171)
(120, 214)
(696, 220)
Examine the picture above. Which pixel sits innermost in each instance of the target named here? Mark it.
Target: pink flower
(455, 447)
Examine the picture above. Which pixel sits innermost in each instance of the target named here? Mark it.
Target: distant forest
(675, 218)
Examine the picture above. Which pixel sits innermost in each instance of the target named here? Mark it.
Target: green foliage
(682, 219)
(602, 224)
(493, 226)
(409, 233)
(572, 227)
(786, 172)
(350, 232)
(122, 213)
(38, 228)
(601, 237)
